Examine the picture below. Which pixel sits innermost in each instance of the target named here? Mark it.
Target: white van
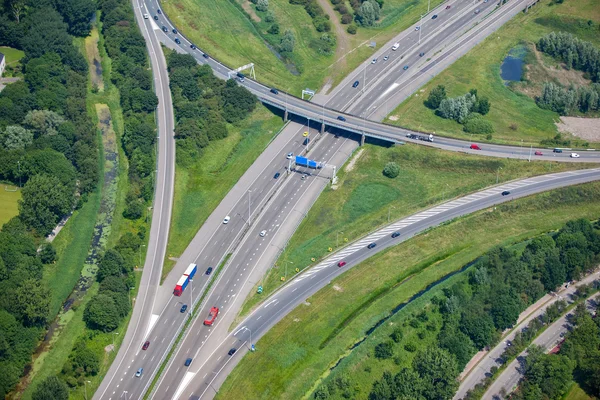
(395, 46)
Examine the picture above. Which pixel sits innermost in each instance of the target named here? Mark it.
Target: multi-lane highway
(207, 372)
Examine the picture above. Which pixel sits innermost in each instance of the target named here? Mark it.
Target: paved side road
(511, 376)
(482, 369)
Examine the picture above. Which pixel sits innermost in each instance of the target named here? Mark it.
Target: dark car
(231, 351)
(204, 55)
(306, 141)
(405, 67)
(146, 345)
(447, 7)
(371, 245)
(175, 31)
(155, 18)
(341, 118)
(505, 193)
(277, 175)
(187, 362)
(557, 151)
(164, 28)
(193, 47)
(177, 41)
(434, 16)
(208, 270)
(158, 11)
(274, 91)
(395, 234)
(421, 54)
(355, 84)
(183, 308)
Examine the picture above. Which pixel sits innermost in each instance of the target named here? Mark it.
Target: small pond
(511, 69)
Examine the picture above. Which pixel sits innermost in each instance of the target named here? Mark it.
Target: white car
(395, 46)
(574, 155)
(386, 58)
(290, 156)
(226, 219)
(146, 16)
(139, 372)
(262, 233)
(374, 61)
(417, 28)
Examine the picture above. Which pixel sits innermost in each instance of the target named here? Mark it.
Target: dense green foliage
(476, 310)
(391, 170)
(204, 104)
(319, 18)
(574, 52)
(567, 101)
(49, 145)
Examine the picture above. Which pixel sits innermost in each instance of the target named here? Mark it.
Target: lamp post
(85, 388)
(250, 330)
(308, 137)
(389, 210)
(420, 27)
(191, 297)
(125, 393)
(140, 253)
(286, 263)
(113, 339)
(337, 240)
(249, 211)
(498, 174)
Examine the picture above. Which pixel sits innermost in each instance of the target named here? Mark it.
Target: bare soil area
(343, 40)
(250, 11)
(584, 128)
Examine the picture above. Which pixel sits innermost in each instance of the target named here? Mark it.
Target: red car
(212, 315)
(539, 153)
(341, 263)
(146, 345)
(447, 7)
(475, 147)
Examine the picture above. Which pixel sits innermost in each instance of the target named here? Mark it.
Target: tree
(134, 210)
(436, 96)
(458, 344)
(51, 388)
(391, 170)
(16, 138)
(274, 29)
(44, 202)
(101, 313)
(368, 13)
(111, 263)
(438, 371)
(43, 122)
(551, 372)
(476, 124)
(288, 41)
(396, 335)
(262, 5)
(33, 302)
(384, 350)
(506, 308)
(478, 325)
(48, 253)
(483, 106)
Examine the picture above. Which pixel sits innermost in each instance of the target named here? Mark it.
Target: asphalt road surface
(550, 338)
(492, 357)
(211, 365)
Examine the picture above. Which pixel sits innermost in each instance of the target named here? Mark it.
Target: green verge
(9, 202)
(292, 356)
(364, 198)
(203, 20)
(577, 393)
(12, 55)
(199, 188)
(480, 69)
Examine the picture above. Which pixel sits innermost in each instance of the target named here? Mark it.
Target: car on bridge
(212, 315)
(341, 118)
(475, 147)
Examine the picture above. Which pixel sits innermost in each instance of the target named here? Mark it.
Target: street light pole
(85, 388)
(428, 5)
(337, 240)
(140, 252)
(191, 296)
(389, 210)
(420, 27)
(308, 137)
(286, 263)
(249, 212)
(497, 174)
(113, 339)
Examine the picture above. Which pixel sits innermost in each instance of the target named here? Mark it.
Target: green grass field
(12, 55)
(203, 21)
(577, 393)
(201, 187)
(364, 198)
(480, 69)
(9, 203)
(294, 355)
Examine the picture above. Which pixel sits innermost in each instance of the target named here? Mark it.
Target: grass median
(514, 115)
(199, 188)
(364, 199)
(293, 356)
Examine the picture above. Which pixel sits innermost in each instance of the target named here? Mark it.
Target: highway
(492, 357)
(207, 372)
(550, 338)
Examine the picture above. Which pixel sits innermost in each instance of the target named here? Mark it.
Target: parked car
(355, 84)
(277, 175)
(557, 151)
(475, 147)
(574, 155)
(139, 372)
(263, 233)
(226, 219)
(341, 263)
(395, 234)
(183, 308)
(212, 315)
(209, 270)
(274, 91)
(187, 362)
(146, 345)
(231, 351)
(371, 245)
(505, 193)
(341, 118)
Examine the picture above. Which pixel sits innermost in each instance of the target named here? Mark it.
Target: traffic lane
(287, 299)
(271, 220)
(387, 72)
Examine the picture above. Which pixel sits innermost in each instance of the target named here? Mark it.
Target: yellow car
(305, 134)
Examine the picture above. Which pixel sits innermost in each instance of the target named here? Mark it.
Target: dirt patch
(250, 11)
(585, 128)
(337, 288)
(352, 162)
(343, 39)
(94, 60)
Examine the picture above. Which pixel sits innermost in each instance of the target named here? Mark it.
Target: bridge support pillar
(285, 116)
(322, 127)
(362, 139)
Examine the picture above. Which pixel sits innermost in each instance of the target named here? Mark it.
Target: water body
(511, 69)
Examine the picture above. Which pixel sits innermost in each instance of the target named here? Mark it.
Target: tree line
(49, 145)
(204, 105)
(574, 52)
(364, 13)
(567, 101)
(474, 311)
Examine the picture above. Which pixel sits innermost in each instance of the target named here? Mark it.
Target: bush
(384, 350)
(351, 29)
(48, 254)
(436, 96)
(347, 19)
(134, 210)
(410, 347)
(391, 170)
(396, 335)
(476, 124)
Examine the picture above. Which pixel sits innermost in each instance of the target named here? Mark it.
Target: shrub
(384, 350)
(478, 125)
(396, 335)
(436, 96)
(347, 19)
(351, 29)
(410, 347)
(262, 5)
(391, 170)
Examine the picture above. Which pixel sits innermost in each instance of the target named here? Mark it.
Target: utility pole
(140, 252)
(249, 212)
(428, 5)
(308, 137)
(530, 150)
(420, 27)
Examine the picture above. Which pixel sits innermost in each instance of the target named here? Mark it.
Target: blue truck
(185, 279)
(305, 162)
